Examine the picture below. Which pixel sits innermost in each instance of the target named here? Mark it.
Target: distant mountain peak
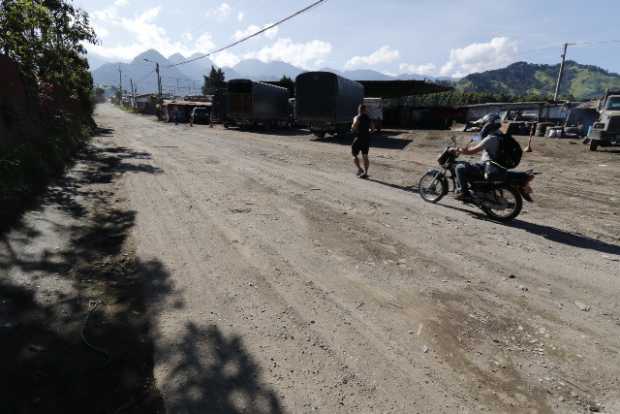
(150, 54)
(176, 58)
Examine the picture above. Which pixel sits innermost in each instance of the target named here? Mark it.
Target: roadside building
(180, 110)
(146, 104)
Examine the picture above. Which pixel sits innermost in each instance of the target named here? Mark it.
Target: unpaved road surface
(299, 288)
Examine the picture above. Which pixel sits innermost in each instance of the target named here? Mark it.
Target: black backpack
(508, 154)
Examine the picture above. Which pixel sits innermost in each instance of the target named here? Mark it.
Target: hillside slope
(521, 79)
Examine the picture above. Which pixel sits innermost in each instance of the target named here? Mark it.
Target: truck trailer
(326, 102)
(250, 104)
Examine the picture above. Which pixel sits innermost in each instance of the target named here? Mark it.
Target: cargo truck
(251, 104)
(326, 103)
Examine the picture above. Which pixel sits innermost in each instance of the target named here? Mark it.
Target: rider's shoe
(464, 196)
(461, 195)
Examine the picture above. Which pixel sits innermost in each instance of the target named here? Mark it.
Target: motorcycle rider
(489, 142)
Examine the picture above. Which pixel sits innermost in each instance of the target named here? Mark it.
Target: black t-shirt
(363, 126)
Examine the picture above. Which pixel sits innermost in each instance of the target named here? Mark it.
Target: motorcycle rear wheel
(514, 200)
(432, 187)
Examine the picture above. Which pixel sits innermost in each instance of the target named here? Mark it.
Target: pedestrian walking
(362, 125)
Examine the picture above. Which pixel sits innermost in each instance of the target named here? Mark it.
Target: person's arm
(475, 149)
(355, 124)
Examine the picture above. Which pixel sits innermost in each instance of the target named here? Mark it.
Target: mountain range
(523, 79)
(187, 79)
(518, 79)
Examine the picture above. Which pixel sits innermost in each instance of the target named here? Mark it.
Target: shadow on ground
(215, 374)
(384, 140)
(565, 237)
(409, 189)
(78, 325)
(550, 233)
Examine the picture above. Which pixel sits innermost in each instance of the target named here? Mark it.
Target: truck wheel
(319, 134)
(593, 145)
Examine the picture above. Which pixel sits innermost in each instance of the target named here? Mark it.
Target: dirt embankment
(75, 327)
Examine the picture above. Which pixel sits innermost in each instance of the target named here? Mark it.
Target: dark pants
(465, 171)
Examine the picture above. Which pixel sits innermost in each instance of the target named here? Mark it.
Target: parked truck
(252, 104)
(606, 131)
(326, 102)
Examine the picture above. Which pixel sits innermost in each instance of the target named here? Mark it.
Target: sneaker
(360, 173)
(364, 176)
(461, 196)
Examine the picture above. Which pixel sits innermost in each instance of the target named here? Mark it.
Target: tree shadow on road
(213, 373)
(79, 324)
(61, 353)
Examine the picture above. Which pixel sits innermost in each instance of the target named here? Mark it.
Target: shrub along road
(293, 286)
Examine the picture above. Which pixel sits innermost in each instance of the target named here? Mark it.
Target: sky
(449, 38)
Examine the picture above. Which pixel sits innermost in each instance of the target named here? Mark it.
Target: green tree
(46, 39)
(214, 82)
(289, 84)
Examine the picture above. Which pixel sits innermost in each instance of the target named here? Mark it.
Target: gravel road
(299, 288)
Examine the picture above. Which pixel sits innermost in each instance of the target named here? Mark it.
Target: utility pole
(158, 81)
(133, 94)
(120, 86)
(159, 97)
(561, 75)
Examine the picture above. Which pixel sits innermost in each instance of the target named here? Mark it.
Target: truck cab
(606, 131)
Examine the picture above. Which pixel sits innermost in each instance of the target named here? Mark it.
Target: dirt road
(300, 288)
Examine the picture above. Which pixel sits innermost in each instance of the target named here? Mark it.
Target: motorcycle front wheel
(507, 204)
(432, 187)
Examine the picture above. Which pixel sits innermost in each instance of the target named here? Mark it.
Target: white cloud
(270, 34)
(204, 43)
(307, 55)
(384, 55)
(225, 59)
(187, 36)
(220, 12)
(479, 57)
(101, 31)
(121, 3)
(142, 33)
(240, 16)
(426, 69)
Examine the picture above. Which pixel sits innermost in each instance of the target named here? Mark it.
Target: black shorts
(360, 145)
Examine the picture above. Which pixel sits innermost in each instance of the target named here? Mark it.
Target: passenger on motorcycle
(489, 142)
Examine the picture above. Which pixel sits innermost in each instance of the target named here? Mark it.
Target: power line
(246, 38)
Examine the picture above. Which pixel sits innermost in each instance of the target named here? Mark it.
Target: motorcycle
(500, 199)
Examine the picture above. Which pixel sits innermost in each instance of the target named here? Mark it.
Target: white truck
(375, 111)
(606, 131)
